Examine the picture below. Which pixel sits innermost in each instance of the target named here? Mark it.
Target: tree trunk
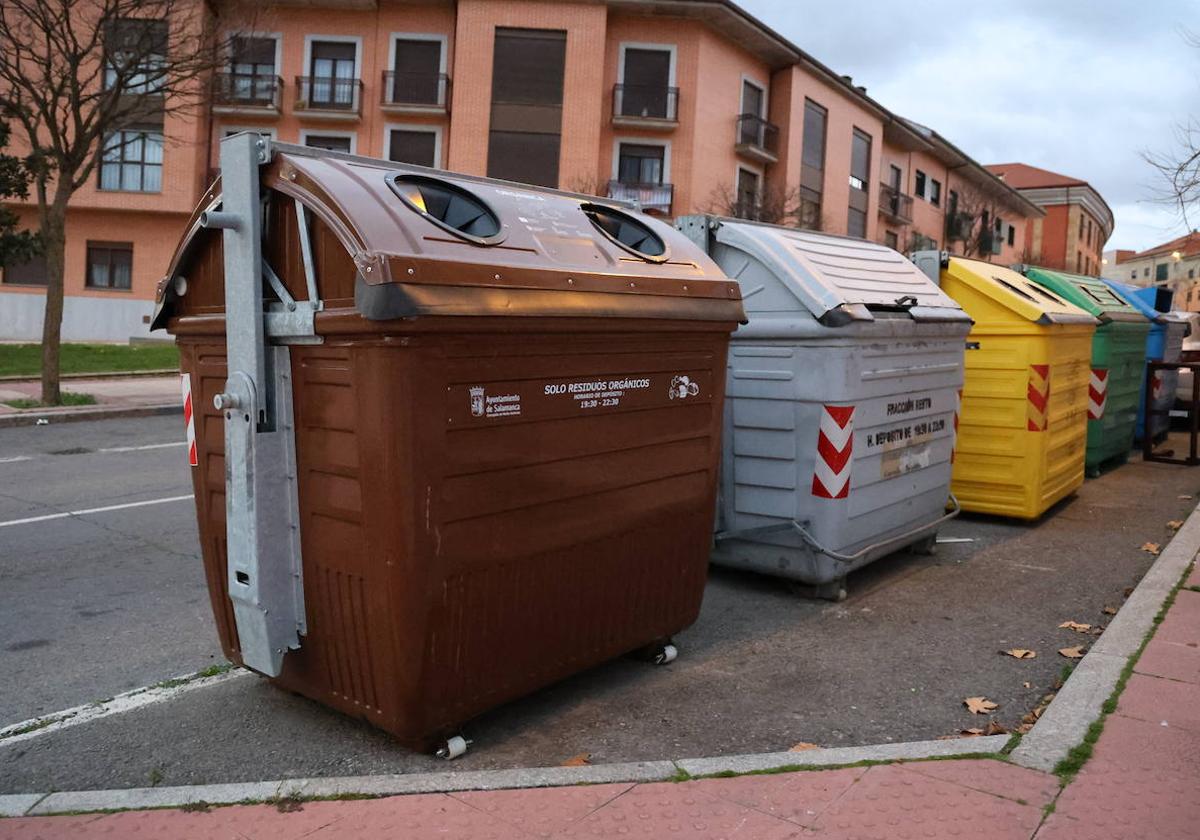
(53, 229)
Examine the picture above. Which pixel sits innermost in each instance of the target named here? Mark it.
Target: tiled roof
(1023, 176)
(1187, 245)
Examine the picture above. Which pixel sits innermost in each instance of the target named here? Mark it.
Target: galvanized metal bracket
(265, 577)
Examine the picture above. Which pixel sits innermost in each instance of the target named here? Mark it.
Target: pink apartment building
(683, 105)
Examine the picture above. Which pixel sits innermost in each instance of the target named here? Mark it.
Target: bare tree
(1179, 168)
(73, 74)
(774, 205)
(972, 219)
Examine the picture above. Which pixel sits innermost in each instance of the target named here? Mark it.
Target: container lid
(836, 279)
(1016, 292)
(1152, 301)
(428, 242)
(1091, 294)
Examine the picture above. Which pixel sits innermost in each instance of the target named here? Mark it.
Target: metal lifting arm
(261, 509)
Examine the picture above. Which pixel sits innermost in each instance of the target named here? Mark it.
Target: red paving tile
(416, 817)
(1182, 624)
(46, 828)
(1145, 747)
(1155, 700)
(1194, 577)
(1174, 662)
(799, 797)
(989, 776)
(891, 803)
(680, 810)
(541, 812)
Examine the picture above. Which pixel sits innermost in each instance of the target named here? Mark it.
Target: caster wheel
(926, 546)
(1092, 472)
(667, 655)
(453, 748)
(832, 591)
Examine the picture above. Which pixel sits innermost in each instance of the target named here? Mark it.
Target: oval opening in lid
(626, 231)
(450, 207)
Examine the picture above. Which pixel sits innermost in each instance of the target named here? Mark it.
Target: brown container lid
(427, 242)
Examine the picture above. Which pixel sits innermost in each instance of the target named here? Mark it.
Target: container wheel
(834, 590)
(666, 655)
(657, 653)
(926, 546)
(453, 748)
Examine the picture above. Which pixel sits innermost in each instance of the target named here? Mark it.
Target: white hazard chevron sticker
(835, 448)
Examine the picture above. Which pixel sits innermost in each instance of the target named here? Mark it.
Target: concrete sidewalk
(1142, 780)
(125, 396)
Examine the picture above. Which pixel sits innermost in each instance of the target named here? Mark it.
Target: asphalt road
(96, 604)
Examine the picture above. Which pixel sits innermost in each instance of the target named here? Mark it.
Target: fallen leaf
(578, 760)
(802, 746)
(1076, 626)
(1175, 524)
(979, 705)
(994, 728)
(970, 733)
(1151, 548)
(1072, 652)
(1023, 728)
(1020, 653)
(1096, 630)
(1027, 685)
(1128, 591)
(1185, 496)
(1110, 610)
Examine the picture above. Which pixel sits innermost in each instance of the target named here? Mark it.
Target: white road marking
(15, 459)
(104, 509)
(141, 448)
(126, 702)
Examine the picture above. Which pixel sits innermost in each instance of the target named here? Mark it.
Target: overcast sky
(1080, 87)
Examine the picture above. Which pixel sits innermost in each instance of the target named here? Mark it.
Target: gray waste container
(841, 402)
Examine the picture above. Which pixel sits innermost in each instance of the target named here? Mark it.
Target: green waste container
(1118, 363)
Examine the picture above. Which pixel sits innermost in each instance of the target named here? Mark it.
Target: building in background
(1077, 221)
(1174, 265)
(683, 107)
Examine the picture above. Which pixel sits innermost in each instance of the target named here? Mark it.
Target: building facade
(1077, 221)
(1173, 265)
(683, 107)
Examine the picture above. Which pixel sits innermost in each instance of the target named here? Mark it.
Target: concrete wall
(84, 318)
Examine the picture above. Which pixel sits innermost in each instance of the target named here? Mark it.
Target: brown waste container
(490, 412)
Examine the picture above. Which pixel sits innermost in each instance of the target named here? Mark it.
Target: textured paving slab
(1156, 700)
(998, 778)
(1182, 624)
(542, 812)
(797, 797)
(1172, 662)
(890, 802)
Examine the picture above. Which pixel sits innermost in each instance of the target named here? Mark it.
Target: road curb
(1080, 701)
(30, 417)
(108, 374)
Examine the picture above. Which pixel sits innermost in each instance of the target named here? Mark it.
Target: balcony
(329, 98)
(757, 138)
(652, 198)
(646, 106)
(894, 205)
(247, 93)
(415, 93)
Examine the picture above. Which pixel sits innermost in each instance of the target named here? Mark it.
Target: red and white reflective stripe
(954, 435)
(188, 419)
(1097, 393)
(835, 446)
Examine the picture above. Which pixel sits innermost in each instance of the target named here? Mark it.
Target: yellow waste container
(1022, 423)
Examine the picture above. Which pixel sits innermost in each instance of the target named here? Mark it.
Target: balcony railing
(895, 205)
(329, 96)
(645, 104)
(757, 138)
(652, 197)
(247, 91)
(415, 91)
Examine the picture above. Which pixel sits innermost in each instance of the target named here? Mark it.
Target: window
(1012, 235)
(753, 99)
(332, 74)
(1089, 232)
(527, 95)
(1133, 274)
(252, 70)
(1191, 273)
(132, 161)
(32, 273)
(640, 164)
(895, 177)
(413, 145)
(935, 192)
(1078, 261)
(329, 142)
(856, 223)
(891, 240)
(109, 265)
(919, 184)
(645, 84)
(860, 159)
(812, 169)
(1145, 272)
(752, 130)
(1160, 272)
(747, 195)
(135, 54)
(416, 77)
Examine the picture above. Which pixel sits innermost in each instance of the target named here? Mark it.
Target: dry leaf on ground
(803, 746)
(1078, 627)
(970, 733)
(1023, 728)
(578, 760)
(1072, 652)
(1110, 610)
(979, 705)
(1027, 685)
(1151, 548)
(1020, 653)
(994, 728)
(1185, 496)
(1096, 630)
(1175, 524)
